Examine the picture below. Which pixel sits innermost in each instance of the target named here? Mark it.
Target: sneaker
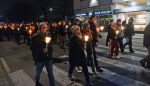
(95, 75)
(112, 57)
(38, 84)
(89, 84)
(98, 69)
(123, 52)
(142, 63)
(117, 57)
(78, 69)
(71, 78)
(131, 51)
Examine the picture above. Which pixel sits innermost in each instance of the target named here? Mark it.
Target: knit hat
(84, 25)
(74, 27)
(92, 17)
(42, 24)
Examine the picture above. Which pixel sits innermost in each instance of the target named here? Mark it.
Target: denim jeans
(49, 67)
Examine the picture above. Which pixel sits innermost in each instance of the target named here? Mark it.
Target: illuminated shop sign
(96, 13)
(102, 12)
(130, 9)
(83, 14)
(90, 13)
(105, 12)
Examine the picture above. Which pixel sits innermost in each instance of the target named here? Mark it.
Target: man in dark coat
(128, 33)
(42, 55)
(146, 43)
(92, 23)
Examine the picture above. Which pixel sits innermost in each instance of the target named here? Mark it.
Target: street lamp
(51, 9)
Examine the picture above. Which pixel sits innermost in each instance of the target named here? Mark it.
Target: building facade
(101, 8)
(105, 10)
(139, 10)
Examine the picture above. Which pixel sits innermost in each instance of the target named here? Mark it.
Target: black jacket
(112, 33)
(76, 51)
(37, 46)
(146, 39)
(129, 31)
(62, 30)
(93, 29)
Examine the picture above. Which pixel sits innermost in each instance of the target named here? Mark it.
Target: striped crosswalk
(132, 74)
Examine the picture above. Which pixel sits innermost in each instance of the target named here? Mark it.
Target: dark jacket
(76, 51)
(62, 30)
(146, 39)
(37, 46)
(93, 29)
(112, 33)
(129, 31)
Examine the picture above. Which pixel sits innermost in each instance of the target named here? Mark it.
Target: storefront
(138, 13)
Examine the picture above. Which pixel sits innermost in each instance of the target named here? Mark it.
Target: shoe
(71, 78)
(38, 84)
(78, 69)
(95, 45)
(89, 84)
(123, 52)
(98, 69)
(131, 51)
(112, 57)
(118, 57)
(142, 63)
(95, 75)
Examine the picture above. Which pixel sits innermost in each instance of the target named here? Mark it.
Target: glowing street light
(51, 9)
(133, 3)
(47, 41)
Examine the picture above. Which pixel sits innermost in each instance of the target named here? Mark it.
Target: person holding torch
(113, 32)
(87, 33)
(77, 55)
(42, 53)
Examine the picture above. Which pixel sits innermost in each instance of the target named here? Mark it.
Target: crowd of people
(81, 38)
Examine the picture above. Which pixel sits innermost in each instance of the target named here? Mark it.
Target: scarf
(79, 35)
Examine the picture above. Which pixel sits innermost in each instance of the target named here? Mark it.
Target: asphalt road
(17, 67)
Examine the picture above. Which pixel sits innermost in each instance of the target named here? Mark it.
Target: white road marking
(6, 67)
(119, 79)
(20, 78)
(61, 76)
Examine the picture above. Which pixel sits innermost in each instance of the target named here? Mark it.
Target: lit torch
(66, 26)
(86, 38)
(47, 41)
(102, 28)
(117, 32)
(30, 32)
(122, 27)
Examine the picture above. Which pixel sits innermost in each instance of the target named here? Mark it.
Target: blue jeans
(49, 68)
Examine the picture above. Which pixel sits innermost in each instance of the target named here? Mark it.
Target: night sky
(6, 4)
